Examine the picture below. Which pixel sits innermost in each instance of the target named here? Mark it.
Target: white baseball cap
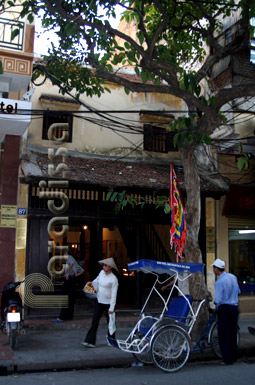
(219, 263)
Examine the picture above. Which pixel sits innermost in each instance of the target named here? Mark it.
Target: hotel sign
(15, 116)
(9, 108)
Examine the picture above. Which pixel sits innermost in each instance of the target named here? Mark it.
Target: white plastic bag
(112, 324)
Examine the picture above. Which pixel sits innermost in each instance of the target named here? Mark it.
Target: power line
(151, 112)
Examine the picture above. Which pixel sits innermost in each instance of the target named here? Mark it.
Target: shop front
(239, 208)
(96, 232)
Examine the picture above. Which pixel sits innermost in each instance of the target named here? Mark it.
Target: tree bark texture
(192, 251)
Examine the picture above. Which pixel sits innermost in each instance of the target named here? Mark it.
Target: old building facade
(16, 56)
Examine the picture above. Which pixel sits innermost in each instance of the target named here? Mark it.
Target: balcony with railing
(16, 57)
(11, 34)
(16, 54)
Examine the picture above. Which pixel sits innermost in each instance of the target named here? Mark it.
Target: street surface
(197, 373)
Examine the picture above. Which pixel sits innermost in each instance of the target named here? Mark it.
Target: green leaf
(212, 100)
(14, 33)
(186, 82)
(127, 91)
(30, 18)
(137, 71)
(176, 139)
(117, 207)
(141, 38)
(197, 90)
(189, 138)
(1, 67)
(131, 56)
(167, 209)
(114, 196)
(241, 163)
(144, 77)
(120, 197)
(70, 29)
(124, 203)
(188, 122)
(207, 139)
(108, 196)
(157, 81)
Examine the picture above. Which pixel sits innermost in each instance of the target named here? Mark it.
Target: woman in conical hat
(107, 284)
(109, 262)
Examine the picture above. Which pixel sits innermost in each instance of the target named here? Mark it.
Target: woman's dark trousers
(100, 309)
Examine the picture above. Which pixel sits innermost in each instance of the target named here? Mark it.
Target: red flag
(178, 220)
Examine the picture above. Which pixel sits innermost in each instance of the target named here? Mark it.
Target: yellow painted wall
(94, 138)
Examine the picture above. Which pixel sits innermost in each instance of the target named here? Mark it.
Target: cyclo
(165, 338)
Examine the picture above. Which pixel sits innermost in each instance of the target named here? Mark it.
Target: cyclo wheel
(170, 348)
(214, 342)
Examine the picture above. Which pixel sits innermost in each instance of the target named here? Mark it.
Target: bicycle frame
(204, 340)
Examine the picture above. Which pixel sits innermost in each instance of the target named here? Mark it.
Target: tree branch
(226, 95)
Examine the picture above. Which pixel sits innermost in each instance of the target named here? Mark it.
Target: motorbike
(11, 312)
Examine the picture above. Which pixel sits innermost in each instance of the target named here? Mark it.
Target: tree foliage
(168, 53)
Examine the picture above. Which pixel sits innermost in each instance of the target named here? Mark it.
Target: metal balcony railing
(6, 30)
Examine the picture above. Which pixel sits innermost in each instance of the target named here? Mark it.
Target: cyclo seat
(179, 308)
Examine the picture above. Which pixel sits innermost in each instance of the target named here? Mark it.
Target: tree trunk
(192, 251)
(192, 205)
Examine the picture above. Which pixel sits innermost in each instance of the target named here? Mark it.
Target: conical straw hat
(109, 262)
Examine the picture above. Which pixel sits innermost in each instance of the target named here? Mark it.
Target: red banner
(178, 220)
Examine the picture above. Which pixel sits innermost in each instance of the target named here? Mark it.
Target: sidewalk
(48, 346)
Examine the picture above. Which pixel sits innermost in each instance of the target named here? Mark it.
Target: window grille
(158, 139)
(51, 117)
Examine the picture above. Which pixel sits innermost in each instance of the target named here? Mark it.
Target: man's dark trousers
(227, 332)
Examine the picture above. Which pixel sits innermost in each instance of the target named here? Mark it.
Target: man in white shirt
(226, 300)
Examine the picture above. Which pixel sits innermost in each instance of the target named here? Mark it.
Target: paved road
(197, 373)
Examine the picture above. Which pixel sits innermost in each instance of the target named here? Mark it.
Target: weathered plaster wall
(95, 138)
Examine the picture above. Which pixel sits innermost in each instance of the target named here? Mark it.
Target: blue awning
(159, 267)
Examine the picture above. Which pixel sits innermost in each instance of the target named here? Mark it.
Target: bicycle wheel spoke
(170, 349)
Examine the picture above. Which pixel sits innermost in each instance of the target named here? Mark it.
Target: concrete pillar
(9, 189)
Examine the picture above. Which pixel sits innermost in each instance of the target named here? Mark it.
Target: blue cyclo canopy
(158, 267)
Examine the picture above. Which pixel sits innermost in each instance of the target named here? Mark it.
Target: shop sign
(21, 233)
(15, 116)
(8, 215)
